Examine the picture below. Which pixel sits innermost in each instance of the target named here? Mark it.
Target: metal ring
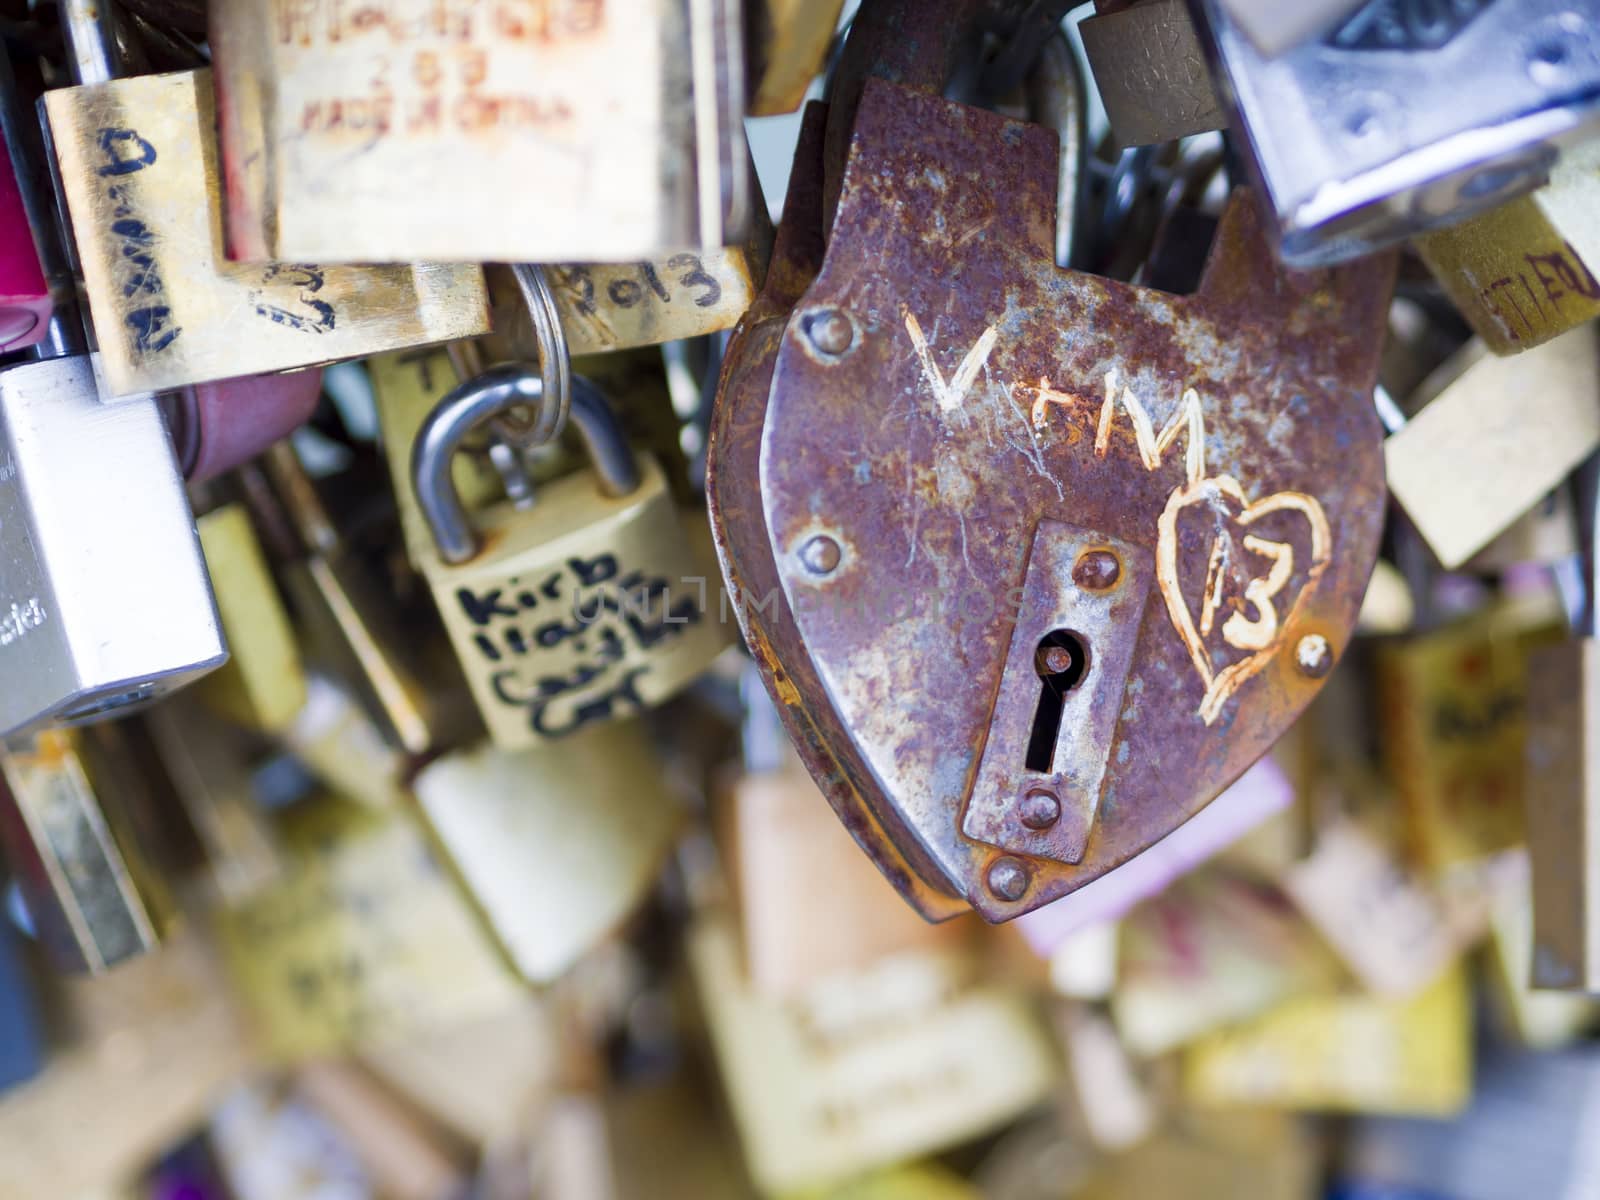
(555, 365)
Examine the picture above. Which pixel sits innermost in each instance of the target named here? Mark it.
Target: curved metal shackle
(555, 361)
(474, 403)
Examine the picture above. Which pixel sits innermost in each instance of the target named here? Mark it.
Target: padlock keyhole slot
(1061, 659)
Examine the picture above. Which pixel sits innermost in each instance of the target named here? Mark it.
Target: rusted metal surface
(1239, 449)
(738, 526)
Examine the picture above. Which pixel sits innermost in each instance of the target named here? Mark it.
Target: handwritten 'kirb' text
(571, 645)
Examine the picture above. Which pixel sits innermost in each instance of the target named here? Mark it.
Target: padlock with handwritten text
(585, 606)
(1062, 556)
(143, 193)
(1525, 272)
(365, 135)
(104, 600)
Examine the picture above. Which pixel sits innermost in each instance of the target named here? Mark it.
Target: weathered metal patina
(1025, 554)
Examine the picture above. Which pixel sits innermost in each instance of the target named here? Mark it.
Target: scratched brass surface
(1524, 273)
(143, 190)
(579, 609)
(788, 47)
(353, 135)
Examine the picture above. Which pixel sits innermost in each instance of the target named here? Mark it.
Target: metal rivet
(1008, 879)
(1096, 570)
(1313, 656)
(831, 332)
(1039, 809)
(1058, 660)
(820, 555)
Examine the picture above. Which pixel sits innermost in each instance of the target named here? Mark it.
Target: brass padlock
(554, 845)
(970, 490)
(144, 195)
(365, 135)
(1524, 273)
(584, 607)
(786, 45)
(263, 684)
(1522, 423)
(89, 892)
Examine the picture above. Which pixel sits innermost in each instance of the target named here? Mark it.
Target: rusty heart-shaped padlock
(1036, 562)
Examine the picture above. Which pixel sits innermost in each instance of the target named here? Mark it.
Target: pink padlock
(24, 296)
(216, 426)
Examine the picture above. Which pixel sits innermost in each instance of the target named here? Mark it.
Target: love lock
(1035, 562)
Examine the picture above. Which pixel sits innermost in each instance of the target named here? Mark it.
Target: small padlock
(263, 684)
(105, 602)
(587, 605)
(1063, 556)
(1151, 97)
(360, 137)
(786, 44)
(552, 878)
(1494, 436)
(1562, 798)
(364, 939)
(1525, 272)
(1407, 116)
(143, 191)
(776, 836)
(84, 885)
(1454, 707)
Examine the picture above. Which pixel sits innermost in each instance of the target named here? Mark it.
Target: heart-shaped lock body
(1060, 557)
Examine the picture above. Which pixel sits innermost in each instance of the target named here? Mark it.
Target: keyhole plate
(1051, 730)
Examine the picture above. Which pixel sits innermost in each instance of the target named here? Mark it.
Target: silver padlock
(104, 599)
(1408, 115)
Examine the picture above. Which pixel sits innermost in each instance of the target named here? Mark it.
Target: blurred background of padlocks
(426, 427)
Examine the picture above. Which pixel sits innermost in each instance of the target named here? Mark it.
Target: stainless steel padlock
(1409, 115)
(104, 600)
(585, 606)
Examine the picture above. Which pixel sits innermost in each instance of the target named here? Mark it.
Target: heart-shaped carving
(1262, 635)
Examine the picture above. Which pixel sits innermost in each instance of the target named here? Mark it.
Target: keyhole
(1061, 659)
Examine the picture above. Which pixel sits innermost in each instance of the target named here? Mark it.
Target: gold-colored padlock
(144, 193)
(786, 46)
(364, 940)
(1454, 707)
(587, 605)
(262, 686)
(556, 844)
(1525, 272)
(1496, 435)
(401, 130)
(89, 891)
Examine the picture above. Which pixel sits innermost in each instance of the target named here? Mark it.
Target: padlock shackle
(94, 54)
(474, 403)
